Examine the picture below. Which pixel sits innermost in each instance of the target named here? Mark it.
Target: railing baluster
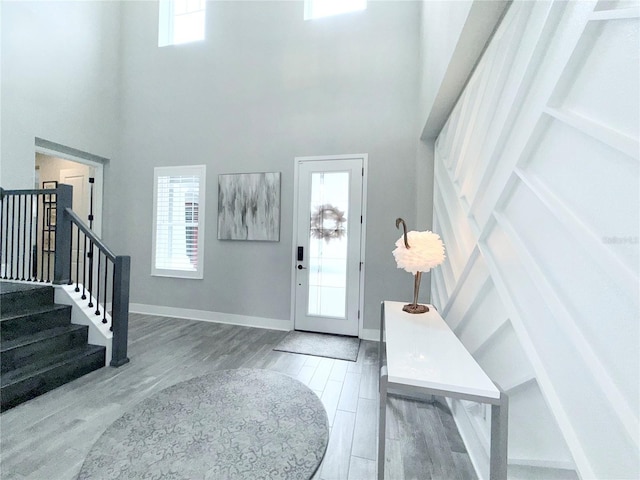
(3, 233)
(104, 307)
(18, 244)
(45, 254)
(30, 243)
(11, 261)
(84, 267)
(39, 254)
(70, 276)
(24, 240)
(77, 289)
(98, 286)
(90, 287)
(31, 237)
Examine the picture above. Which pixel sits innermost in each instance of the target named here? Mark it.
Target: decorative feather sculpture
(417, 252)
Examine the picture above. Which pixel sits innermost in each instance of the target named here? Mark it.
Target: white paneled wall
(537, 201)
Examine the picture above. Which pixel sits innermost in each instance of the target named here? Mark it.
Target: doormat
(320, 345)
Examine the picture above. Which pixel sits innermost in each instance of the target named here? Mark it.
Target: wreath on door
(327, 222)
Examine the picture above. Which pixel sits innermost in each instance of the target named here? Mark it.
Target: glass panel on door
(328, 244)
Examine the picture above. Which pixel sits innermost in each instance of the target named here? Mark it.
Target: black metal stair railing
(43, 240)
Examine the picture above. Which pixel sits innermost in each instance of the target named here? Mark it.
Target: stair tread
(48, 362)
(23, 340)
(19, 287)
(33, 310)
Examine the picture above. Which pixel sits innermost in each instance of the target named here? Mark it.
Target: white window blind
(178, 232)
(181, 21)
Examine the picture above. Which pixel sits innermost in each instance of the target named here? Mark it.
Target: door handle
(300, 267)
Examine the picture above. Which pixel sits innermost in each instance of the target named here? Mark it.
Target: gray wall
(263, 88)
(59, 79)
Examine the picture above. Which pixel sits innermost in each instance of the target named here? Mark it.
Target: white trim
(82, 314)
(98, 175)
(209, 316)
(372, 334)
(363, 231)
(199, 171)
(615, 14)
(543, 464)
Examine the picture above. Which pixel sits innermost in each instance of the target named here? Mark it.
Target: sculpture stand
(414, 307)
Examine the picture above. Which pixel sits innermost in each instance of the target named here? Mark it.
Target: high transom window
(326, 8)
(181, 21)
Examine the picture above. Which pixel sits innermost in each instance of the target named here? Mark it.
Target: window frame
(166, 24)
(199, 171)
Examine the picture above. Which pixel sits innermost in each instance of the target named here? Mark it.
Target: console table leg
(499, 437)
(381, 344)
(382, 426)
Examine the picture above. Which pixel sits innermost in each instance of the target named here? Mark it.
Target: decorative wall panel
(537, 200)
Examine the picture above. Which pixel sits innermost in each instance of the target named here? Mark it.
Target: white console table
(424, 357)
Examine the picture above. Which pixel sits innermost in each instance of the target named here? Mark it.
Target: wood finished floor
(49, 437)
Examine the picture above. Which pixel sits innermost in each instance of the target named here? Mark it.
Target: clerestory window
(325, 8)
(181, 21)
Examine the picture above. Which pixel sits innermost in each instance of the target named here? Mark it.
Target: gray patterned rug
(320, 345)
(232, 424)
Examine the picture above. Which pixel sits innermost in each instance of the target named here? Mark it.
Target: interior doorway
(83, 175)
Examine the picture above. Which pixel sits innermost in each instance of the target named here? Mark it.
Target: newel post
(120, 312)
(62, 266)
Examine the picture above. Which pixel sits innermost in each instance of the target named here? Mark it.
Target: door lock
(300, 267)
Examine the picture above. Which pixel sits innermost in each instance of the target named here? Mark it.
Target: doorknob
(300, 267)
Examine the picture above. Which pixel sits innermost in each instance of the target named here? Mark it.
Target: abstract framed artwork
(249, 206)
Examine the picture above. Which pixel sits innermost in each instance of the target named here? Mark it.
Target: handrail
(40, 235)
(90, 234)
(4, 192)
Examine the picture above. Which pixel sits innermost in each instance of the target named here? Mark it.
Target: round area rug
(232, 424)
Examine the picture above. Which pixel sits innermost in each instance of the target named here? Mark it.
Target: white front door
(328, 242)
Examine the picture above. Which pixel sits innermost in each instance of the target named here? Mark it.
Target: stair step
(50, 372)
(33, 319)
(28, 349)
(15, 297)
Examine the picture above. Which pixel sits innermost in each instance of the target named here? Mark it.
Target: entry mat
(320, 345)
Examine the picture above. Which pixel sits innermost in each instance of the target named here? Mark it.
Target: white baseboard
(208, 316)
(372, 334)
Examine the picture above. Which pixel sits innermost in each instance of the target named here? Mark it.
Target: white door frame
(98, 182)
(363, 235)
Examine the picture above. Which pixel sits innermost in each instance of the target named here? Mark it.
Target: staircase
(40, 349)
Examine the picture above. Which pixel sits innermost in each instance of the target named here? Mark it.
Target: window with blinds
(178, 234)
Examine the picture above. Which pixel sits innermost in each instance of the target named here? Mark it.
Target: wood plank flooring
(49, 437)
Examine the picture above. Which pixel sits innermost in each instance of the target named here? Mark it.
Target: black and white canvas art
(249, 206)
